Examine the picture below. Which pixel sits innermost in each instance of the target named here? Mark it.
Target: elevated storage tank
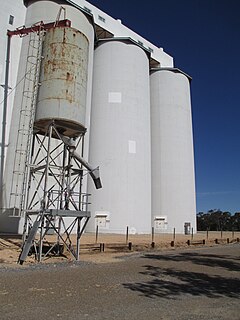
(120, 138)
(173, 181)
(48, 11)
(63, 78)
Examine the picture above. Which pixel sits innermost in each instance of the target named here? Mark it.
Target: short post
(174, 233)
(228, 240)
(130, 246)
(237, 239)
(102, 247)
(188, 242)
(152, 234)
(127, 235)
(192, 233)
(153, 243)
(216, 241)
(172, 243)
(96, 240)
(204, 242)
(207, 233)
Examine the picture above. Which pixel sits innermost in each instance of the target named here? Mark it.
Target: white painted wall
(17, 10)
(120, 138)
(173, 181)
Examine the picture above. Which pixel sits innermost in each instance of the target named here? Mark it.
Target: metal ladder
(26, 123)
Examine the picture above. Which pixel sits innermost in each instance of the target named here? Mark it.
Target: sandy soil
(114, 245)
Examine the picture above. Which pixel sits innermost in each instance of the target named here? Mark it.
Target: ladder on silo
(26, 123)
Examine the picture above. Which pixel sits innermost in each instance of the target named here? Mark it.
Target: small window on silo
(11, 19)
(87, 10)
(101, 18)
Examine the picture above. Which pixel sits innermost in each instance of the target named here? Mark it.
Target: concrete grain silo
(173, 181)
(98, 78)
(120, 138)
(49, 105)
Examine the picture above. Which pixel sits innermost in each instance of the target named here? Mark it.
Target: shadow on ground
(220, 261)
(172, 282)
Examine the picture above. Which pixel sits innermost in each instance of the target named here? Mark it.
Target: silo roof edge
(126, 39)
(176, 70)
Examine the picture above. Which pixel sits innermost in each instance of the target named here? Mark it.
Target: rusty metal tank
(63, 78)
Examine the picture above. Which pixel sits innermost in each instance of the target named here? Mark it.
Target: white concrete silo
(173, 181)
(46, 11)
(120, 138)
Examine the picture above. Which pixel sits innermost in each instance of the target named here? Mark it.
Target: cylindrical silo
(63, 78)
(120, 138)
(48, 12)
(173, 181)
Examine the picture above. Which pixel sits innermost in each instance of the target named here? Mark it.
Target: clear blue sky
(203, 36)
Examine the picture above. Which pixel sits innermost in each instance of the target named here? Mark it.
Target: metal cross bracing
(55, 195)
(48, 172)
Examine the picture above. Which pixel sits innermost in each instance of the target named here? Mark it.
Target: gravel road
(202, 283)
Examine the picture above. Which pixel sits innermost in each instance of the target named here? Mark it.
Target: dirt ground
(193, 283)
(114, 245)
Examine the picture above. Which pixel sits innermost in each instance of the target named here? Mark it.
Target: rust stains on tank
(63, 76)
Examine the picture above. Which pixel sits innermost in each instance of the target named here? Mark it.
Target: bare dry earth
(199, 283)
(115, 245)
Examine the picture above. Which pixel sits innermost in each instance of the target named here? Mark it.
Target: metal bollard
(130, 246)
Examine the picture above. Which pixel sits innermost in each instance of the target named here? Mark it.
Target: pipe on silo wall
(120, 139)
(47, 11)
(172, 158)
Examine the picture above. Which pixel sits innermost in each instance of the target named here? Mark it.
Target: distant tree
(216, 220)
(202, 221)
(235, 221)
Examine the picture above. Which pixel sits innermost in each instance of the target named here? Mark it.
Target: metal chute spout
(94, 172)
(96, 178)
